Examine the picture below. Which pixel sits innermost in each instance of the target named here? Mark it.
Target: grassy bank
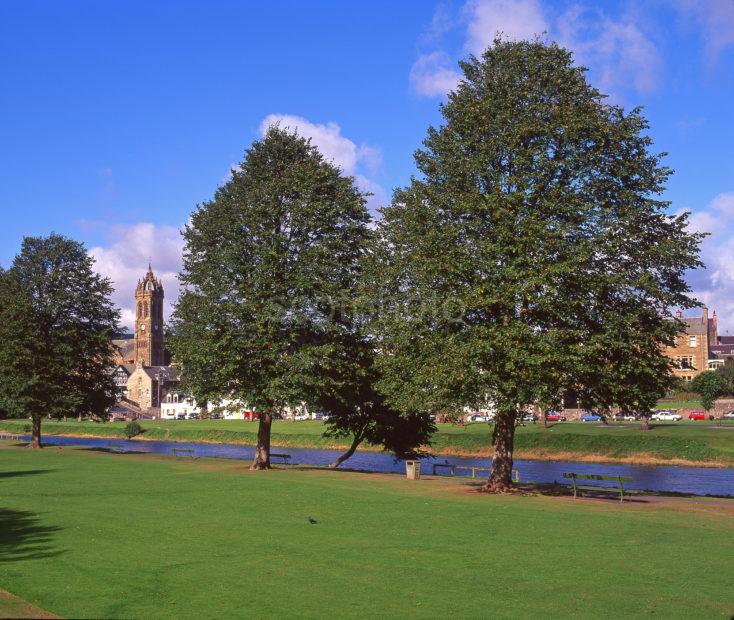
(681, 442)
(91, 534)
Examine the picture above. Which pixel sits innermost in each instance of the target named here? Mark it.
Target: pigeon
(312, 520)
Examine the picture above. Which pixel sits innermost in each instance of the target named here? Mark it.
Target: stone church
(143, 372)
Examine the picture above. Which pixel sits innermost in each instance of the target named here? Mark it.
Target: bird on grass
(311, 520)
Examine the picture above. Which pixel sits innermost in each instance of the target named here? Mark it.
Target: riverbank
(699, 444)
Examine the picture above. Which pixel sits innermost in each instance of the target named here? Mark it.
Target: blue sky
(117, 118)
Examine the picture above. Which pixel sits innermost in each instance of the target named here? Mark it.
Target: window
(692, 341)
(684, 362)
(688, 378)
(714, 364)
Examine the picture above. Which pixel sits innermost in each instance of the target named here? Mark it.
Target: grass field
(694, 442)
(93, 534)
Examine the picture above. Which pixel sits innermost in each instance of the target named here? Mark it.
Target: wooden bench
(286, 458)
(453, 468)
(183, 452)
(620, 480)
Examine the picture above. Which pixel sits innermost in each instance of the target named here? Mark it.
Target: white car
(729, 415)
(667, 416)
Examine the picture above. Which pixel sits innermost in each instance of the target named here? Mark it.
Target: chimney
(678, 314)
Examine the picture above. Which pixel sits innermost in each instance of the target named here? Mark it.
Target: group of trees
(530, 256)
(713, 384)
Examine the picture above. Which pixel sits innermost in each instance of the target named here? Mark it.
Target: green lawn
(698, 442)
(92, 534)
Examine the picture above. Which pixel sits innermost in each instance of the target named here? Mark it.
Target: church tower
(149, 321)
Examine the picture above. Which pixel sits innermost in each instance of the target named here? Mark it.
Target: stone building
(148, 342)
(148, 386)
(700, 347)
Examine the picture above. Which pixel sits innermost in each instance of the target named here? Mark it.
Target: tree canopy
(533, 254)
(269, 264)
(56, 322)
(709, 385)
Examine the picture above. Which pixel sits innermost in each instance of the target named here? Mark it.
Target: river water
(693, 480)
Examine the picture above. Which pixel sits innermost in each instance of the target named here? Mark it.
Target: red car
(697, 415)
(553, 416)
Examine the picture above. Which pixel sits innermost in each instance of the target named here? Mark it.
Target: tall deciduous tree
(56, 322)
(532, 255)
(268, 264)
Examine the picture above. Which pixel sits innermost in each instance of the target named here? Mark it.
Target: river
(691, 480)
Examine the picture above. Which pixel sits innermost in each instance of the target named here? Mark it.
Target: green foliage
(56, 319)
(267, 265)
(532, 255)
(710, 385)
(133, 429)
(726, 372)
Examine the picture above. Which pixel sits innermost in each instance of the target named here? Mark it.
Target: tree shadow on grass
(24, 537)
(25, 472)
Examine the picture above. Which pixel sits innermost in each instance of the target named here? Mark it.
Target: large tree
(56, 322)
(533, 253)
(269, 264)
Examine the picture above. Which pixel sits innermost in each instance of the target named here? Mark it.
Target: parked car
(215, 416)
(554, 416)
(667, 416)
(180, 416)
(478, 418)
(528, 418)
(193, 416)
(729, 415)
(626, 417)
(591, 416)
(697, 414)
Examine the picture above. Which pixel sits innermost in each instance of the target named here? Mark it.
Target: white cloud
(124, 259)
(618, 52)
(432, 74)
(337, 148)
(512, 19)
(328, 138)
(714, 19)
(714, 285)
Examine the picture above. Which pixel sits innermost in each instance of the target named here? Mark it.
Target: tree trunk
(500, 480)
(540, 412)
(36, 433)
(262, 450)
(343, 457)
(644, 423)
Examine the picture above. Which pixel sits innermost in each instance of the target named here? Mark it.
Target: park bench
(286, 458)
(183, 452)
(620, 480)
(453, 469)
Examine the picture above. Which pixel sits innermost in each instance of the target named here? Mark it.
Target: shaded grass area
(148, 536)
(697, 442)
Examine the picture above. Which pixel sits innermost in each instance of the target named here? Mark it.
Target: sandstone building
(699, 347)
(148, 343)
(142, 372)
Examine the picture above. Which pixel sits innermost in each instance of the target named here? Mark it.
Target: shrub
(132, 429)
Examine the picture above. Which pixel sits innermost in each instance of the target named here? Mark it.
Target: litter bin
(413, 470)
